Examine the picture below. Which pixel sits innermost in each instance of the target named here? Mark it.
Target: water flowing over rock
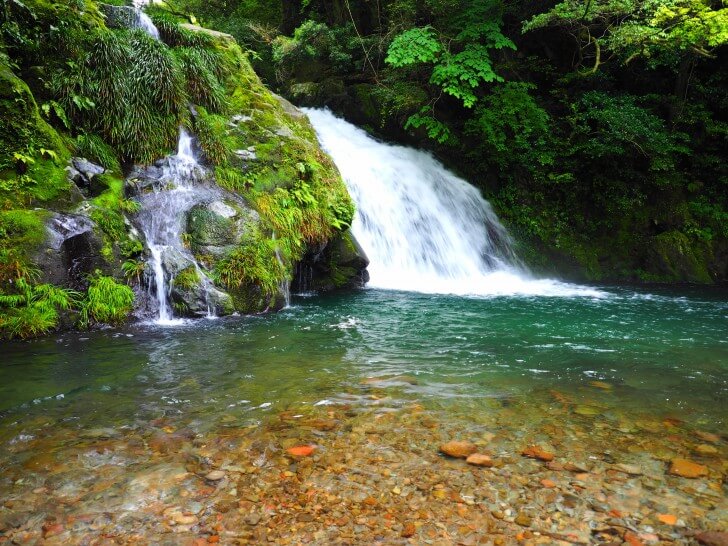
(168, 192)
(130, 17)
(423, 228)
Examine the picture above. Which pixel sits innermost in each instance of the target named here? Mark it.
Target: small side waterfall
(423, 228)
(142, 20)
(162, 216)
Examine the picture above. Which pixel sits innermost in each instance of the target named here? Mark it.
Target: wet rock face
(72, 250)
(200, 299)
(341, 263)
(216, 228)
(191, 293)
(146, 178)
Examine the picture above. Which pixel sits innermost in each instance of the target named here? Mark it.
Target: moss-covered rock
(673, 257)
(215, 228)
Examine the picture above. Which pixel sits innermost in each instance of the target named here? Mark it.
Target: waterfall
(142, 20)
(423, 228)
(161, 219)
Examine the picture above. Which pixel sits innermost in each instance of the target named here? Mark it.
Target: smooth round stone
(215, 475)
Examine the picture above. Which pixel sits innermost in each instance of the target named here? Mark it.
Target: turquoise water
(660, 353)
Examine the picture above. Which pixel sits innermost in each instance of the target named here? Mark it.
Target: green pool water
(662, 353)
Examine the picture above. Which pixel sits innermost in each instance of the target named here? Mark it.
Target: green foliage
(93, 148)
(314, 45)
(415, 45)
(630, 28)
(133, 269)
(174, 35)
(614, 126)
(106, 302)
(253, 263)
(203, 86)
(129, 90)
(30, 310)
(187, 279)
(460, 63)
(212, 135)
(510, 128)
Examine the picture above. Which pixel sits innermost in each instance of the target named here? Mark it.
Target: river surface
(659, 351)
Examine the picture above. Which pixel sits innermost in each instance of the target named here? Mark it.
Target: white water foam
(423, 228)
(142, 20)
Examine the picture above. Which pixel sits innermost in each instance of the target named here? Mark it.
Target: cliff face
(91, 107)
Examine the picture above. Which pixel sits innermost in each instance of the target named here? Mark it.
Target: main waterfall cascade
(423, 228)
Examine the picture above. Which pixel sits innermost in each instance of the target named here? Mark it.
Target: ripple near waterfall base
(423, 228)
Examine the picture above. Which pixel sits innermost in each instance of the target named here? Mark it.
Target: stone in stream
(667, 519)
(537, 452)
(632, 470)
(707, 436)
(215, 475)
(408, 530)
(713, 538)
(687, 469)
(587, 411)
(479, 459)
(706, 450)
(458, 449)
(301, 451)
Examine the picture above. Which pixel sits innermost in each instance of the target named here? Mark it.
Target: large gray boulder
(86, 176)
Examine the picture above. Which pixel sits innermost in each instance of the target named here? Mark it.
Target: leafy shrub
(106, 302)
(32, 310)
(93, 148)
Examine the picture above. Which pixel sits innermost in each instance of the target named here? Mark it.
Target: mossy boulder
(214, 229)
(193, 295)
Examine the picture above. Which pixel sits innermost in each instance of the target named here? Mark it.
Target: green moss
(21, 233)
(673, 257)
(32, 154)
(251, 273)
(108, 215)
(187, 279)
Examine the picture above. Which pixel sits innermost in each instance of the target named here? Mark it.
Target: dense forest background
(597, 128)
